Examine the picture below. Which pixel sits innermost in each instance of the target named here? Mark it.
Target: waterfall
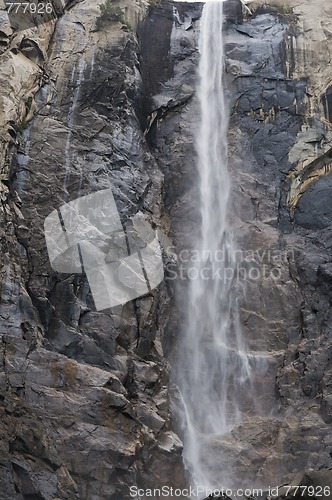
(213, 372)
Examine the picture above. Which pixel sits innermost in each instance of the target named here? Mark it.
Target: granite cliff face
(85, 398)
(84, 394)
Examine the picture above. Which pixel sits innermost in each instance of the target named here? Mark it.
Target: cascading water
(214, 367)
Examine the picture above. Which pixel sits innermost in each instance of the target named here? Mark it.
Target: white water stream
(214, 374)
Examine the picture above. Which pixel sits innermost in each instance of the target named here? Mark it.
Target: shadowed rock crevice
(327, 103)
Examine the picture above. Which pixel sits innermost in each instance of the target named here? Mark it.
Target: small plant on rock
(287, 9)
(153, 3)
(21, 124)
(108, 13)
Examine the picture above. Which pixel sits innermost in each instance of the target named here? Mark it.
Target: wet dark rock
(233, 11)
(314, 210)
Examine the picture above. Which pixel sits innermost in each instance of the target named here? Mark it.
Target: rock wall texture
(85, 399)
(281, 124)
